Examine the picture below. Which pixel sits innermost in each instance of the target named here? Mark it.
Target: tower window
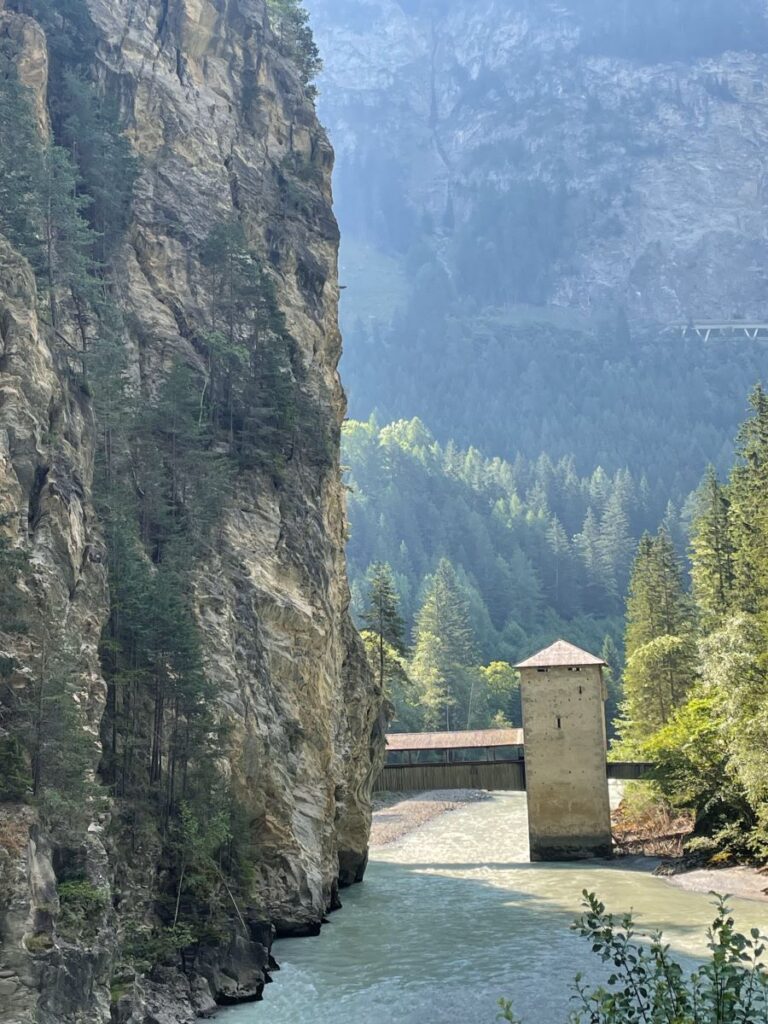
(559, 722)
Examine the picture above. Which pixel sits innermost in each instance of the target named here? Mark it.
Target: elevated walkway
(707, 330)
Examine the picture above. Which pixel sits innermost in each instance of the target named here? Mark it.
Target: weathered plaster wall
(568, 803)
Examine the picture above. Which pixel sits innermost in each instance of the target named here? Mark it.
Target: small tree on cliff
(290, 22)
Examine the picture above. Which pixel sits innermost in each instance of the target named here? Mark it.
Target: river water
(454, 916)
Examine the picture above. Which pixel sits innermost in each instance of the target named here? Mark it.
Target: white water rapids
(454, 916)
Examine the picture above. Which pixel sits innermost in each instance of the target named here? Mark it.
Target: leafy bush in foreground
(648, 986)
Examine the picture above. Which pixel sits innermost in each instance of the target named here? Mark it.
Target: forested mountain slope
(529, 194)
(188, 727)
(538, 549)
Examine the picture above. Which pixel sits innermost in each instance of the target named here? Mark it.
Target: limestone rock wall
(220, 123)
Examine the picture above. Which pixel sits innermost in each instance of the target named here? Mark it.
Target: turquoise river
(454, 916)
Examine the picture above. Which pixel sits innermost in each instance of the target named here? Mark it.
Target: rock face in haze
(220, 123)
(579, 153)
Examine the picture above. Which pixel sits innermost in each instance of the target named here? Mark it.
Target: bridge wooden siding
(490, 775)
(504, 776)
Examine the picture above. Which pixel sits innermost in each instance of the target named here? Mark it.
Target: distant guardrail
(752, 330)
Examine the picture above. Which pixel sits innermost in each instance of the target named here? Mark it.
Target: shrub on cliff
(648, 986)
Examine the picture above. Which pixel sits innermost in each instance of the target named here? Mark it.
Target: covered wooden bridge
(491, 759)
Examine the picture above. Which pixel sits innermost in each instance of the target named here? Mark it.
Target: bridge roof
(454, 740)
(561, 654)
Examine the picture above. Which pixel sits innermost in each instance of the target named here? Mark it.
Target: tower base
(563, 848)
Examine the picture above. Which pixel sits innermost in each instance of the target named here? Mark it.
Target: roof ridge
(561, 654)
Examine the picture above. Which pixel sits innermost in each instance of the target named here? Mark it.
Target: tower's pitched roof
(561, 655)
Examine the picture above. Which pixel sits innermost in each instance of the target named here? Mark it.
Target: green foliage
(15, 775)
(386, 629)
(712, 550)
(69, 30)
(63, 213)
(393, 672)
(20, 166)
(647, 985)
(290, 22)
(697, 686)
(749, 527)
(196, 843)
(41, 943)
(501, 693)
(516, 535)
(82, 906)
(516, 381)
(252, 394)
(382, 615)
(145, 947)
(106, 166)
(660, 639)
(445, 653)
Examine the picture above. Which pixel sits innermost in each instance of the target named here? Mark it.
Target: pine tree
(612, 673)
(106, 167)
(291, 23)
(21, 167)
(587, 544)
(749, 522)
(712, 550)
(660, 639)
(382, 616)
(445, 651)
(614, 544)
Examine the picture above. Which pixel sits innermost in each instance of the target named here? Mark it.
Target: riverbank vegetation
(696, 680)
(647, 985)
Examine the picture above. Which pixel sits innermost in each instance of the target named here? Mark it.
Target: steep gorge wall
(222, 127)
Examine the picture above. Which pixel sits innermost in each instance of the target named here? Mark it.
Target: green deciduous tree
(648, 985)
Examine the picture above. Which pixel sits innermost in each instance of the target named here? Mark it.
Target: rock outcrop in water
(223, 128)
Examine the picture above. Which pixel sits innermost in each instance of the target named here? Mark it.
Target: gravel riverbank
(746, 883)
(395, 814)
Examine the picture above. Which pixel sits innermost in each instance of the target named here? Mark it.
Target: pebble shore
(395, 814)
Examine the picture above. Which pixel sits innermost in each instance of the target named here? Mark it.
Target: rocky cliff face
(223, 128)
(620, 150)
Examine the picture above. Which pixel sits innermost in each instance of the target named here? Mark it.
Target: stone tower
(563, 697)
